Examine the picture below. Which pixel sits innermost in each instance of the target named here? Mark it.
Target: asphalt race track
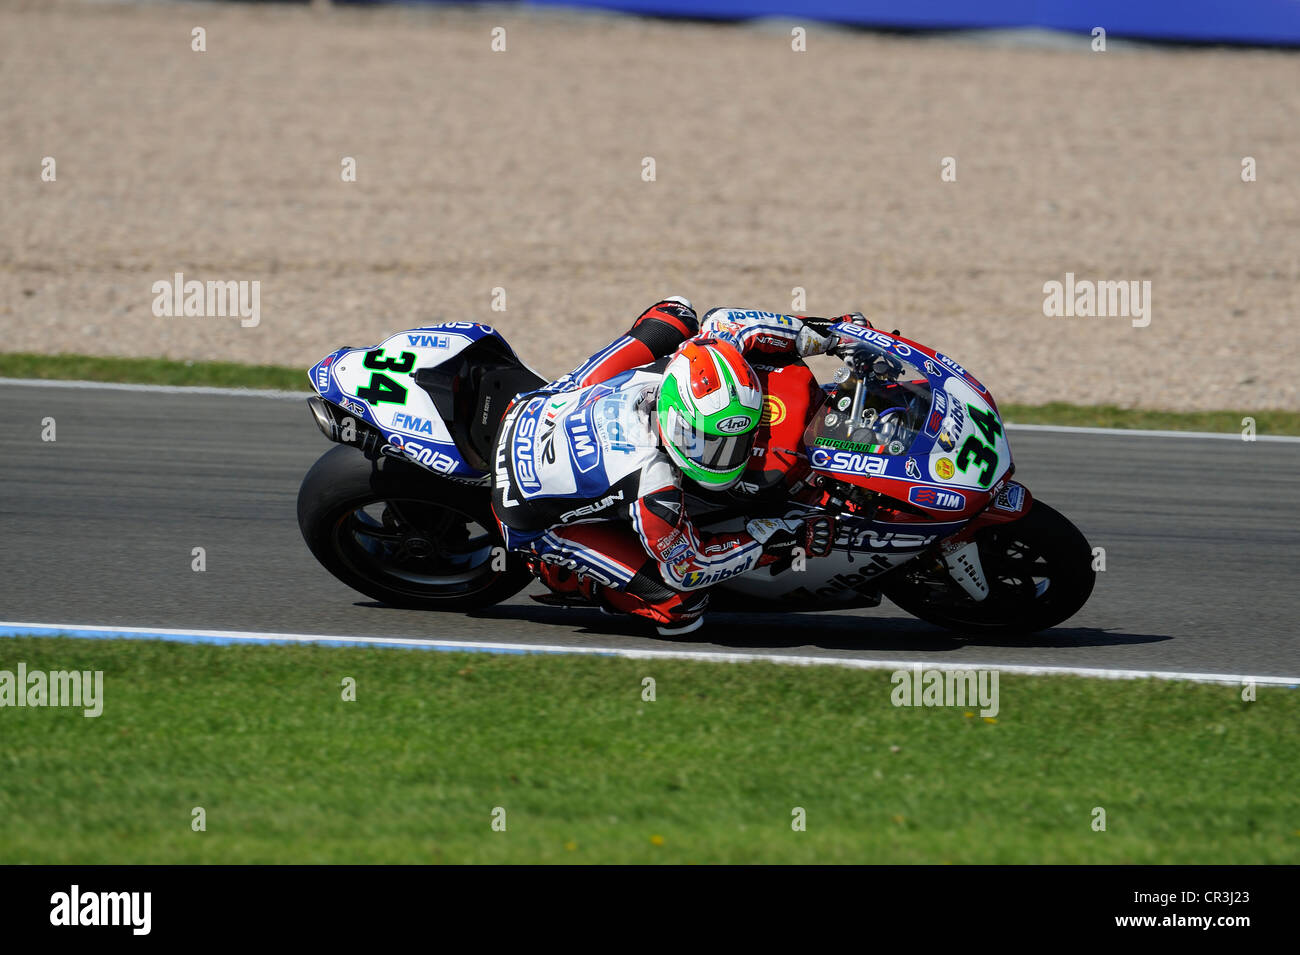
(1201, 539)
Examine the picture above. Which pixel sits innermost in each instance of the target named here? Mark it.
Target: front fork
(961, 554)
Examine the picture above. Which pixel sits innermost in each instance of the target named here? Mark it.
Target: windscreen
(879, 404)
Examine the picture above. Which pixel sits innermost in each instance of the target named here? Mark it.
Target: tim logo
(582, 442)
(938, 499)
(961, 371)
(323, 374)
(429, 341)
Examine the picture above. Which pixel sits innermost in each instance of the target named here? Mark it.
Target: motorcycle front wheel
(1039, 570)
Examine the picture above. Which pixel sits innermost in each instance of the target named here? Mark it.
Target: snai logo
(431, 458)
(524, 445)
(846, 462)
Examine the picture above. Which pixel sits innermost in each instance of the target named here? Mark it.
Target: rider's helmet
(709, 406)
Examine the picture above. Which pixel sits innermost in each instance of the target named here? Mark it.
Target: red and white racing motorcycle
(905, 449)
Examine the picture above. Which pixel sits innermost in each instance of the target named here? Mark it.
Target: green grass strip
(159, 371)
(1110, 416)
(711, 771)
(152, 371)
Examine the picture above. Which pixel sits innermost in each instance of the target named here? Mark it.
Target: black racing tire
(1039, 570)
(403, 535)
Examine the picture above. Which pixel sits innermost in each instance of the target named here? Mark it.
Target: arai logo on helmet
(735, 425)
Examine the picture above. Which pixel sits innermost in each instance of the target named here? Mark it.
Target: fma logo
(937, 499)
(412, 424)
(429, 341)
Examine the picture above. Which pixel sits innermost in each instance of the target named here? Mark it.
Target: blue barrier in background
(1228, 21)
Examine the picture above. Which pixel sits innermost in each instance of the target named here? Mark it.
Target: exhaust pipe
(344, 428)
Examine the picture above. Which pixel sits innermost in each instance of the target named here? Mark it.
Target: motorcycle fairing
(411, 426)
(863, 550)
(931, 473)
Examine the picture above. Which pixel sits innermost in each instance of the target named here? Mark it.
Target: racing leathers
(582, 484)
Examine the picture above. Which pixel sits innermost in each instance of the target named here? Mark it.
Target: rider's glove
(816, 338)
(813, 340)
(813, 535)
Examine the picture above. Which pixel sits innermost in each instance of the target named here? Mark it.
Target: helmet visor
(721, 453)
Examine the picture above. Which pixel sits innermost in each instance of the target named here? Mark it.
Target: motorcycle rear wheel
(404, 536)
(1039, 570)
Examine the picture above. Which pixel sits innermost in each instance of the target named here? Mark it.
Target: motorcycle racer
(590, 477)
(588, 471)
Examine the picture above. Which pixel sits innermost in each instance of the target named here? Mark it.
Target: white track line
(160, 389)
(303, 395)
(1140, 433)
(12, 629)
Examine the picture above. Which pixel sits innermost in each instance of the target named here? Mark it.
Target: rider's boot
(567, 589)
(673, 612)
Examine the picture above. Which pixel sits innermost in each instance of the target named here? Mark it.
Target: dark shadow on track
(826, 632)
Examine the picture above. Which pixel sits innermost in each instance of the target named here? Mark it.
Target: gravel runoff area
(525, 171)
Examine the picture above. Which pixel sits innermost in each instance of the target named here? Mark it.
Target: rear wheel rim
(416, 548)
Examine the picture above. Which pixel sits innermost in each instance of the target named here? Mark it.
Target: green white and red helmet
(709, 407)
